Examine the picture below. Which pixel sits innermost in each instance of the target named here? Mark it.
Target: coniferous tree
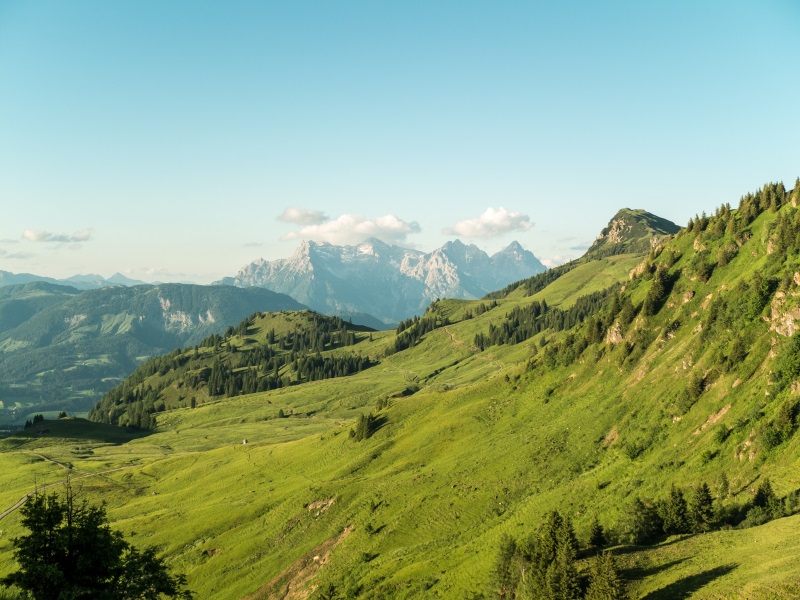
(604, 581)
(504, 576)
(643, 523)
(766, 499)
(562, 576)
(597, 535)
(657, 293)
(701, 509)
(674, 512)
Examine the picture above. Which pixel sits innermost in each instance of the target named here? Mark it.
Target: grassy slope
(483, 448)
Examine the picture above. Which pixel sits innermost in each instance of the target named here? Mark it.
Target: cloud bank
(353, 229)
(15, 255)
(37, 235)
(492, 223)
(303, 216)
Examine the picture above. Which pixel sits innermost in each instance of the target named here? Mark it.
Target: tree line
(524, 322)
(223, 366)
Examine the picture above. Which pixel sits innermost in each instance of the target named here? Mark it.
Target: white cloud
(492, 223)
(303, 216)
(37, 235)
(554, 261)
(353, 229)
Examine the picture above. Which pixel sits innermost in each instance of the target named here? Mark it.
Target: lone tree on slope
(72, 553)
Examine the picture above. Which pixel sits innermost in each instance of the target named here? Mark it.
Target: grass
(484, 447)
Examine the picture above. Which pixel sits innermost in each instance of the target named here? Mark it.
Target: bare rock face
(388, 282)
(614, 334)
(785, 314)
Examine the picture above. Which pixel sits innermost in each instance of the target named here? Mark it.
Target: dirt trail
(47, 459)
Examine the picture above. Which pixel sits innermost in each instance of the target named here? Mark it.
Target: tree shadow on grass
(76, 429)
(684, 588)
(655, 545)
(639, 573)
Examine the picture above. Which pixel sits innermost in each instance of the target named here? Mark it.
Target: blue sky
(177, 141)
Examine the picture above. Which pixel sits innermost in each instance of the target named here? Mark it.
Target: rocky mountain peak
(631, 230)
(389, 282)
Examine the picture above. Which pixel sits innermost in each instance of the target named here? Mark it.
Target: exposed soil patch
(611, 437)
(713, 418)
(295, 581)
(321, 505)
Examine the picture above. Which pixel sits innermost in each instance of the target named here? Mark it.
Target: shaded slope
(62, 348)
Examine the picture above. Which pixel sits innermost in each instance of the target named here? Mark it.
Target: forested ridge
(234, 364)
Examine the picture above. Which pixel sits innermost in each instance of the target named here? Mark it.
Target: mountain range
(61, 348)
(89, 281)
(388, 282)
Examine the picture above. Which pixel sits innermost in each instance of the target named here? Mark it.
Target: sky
(181, 140)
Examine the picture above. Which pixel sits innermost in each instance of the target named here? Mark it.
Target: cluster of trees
(698, 512)
(524, 322)
(772, 197)
(36, 420)
(410, 331)
(71, 552)
(781, 428)
(366, 426)
(658, 292)
(543, 567)
(730, 319)
(480, 309)
(237, 368)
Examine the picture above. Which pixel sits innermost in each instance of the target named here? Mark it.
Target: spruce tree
(604, 580)
(597, 536)
(504, 576)
(643, 524)
(674, 512)
(562, 576)
(701, 509)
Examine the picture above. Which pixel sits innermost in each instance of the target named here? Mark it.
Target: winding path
(24, 499)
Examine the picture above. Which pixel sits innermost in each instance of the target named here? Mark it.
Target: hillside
(628, 234)
(388, 282)
(62, 348)
(592, 393)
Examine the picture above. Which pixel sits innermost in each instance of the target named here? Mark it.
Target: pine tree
(604, 580)
(674, 512)
(597, 536)
(701, 509)
(562, 576)
(504, 576)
